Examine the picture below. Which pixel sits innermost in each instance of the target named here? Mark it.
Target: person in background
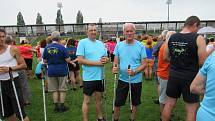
(111, 47)
(74, 69)
(56, 57)
(211, 45)
(204, 84)
(150, 59)
(121, 38)
(163, 72)
(186, 52)
(63, 42)
(139, 37)
(155, 52)
(26, 51)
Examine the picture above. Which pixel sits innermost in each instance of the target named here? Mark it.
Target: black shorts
(92, 86)
(9, 99)
(29, 63)
(176, 87)
(122, 93)
(72, 68)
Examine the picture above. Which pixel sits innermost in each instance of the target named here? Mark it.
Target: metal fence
(105, 29)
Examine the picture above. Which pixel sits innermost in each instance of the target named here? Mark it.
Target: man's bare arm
(82, 60)
(198, 85)
(20, 60)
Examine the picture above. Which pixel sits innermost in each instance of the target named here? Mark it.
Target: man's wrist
(10, 69)
(135, 72)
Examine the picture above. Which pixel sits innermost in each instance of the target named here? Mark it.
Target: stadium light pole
(168, 2)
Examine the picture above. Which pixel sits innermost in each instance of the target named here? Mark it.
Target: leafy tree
(59, 19)
(39, 19)
(20, 20)
(79, 18)
(100, 20)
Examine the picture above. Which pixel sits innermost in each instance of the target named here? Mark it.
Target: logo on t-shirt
(179, 48)
(53, 50)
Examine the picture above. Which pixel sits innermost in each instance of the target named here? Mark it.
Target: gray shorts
(163, 85)
(57, 83)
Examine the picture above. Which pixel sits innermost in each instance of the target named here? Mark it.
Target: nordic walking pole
(129, 79)
(44, 97)
(15, 93)
(2, 106)
(114, 91)
(104, 96)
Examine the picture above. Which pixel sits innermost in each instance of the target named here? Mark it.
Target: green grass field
(147, 111)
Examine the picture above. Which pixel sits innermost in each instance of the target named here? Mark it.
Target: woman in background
(74, 69)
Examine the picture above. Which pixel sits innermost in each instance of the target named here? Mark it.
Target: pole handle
(10, 73)
(129, 66)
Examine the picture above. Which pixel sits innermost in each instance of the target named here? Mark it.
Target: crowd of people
(180, 62)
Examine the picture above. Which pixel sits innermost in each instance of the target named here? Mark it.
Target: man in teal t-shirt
(92, 54)
(129, 52)
(204, 84)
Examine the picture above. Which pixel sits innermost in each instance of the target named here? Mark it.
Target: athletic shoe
(63, 109)
(156, 101)
(56, 109)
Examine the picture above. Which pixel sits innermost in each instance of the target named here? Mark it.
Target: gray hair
(163, 34)
(55, 34)
(128, 24)
(169, 34)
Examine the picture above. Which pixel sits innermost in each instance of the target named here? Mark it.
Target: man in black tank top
(186, 51)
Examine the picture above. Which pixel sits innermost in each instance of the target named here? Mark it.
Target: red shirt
(25, 51)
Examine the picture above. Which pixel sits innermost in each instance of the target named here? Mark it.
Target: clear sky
(108, 10)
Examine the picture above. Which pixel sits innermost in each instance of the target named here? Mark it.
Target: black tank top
(184, 63)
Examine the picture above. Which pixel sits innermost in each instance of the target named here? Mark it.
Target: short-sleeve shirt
(93, 51)
(72, 52)
(25, 51)
(208, 102)
(130, 54)
(149, 53)
(55, 54)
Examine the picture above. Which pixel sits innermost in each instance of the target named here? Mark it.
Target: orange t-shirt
(163, 66)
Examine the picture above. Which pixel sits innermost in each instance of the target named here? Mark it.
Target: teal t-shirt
(93, 51)
(206, 111)
(130, 54)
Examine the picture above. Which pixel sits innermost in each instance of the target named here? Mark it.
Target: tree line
(59, 18)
